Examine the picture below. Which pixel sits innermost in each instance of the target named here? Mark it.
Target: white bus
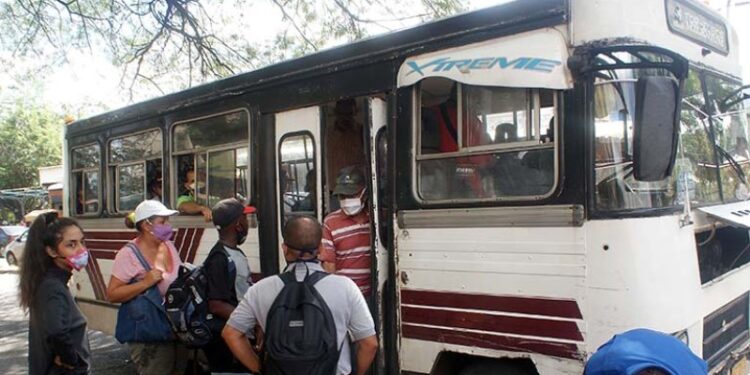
(544, 174)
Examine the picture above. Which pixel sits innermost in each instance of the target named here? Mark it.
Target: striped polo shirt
(346, 241)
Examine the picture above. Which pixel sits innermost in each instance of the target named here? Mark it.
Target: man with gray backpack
(306, 314)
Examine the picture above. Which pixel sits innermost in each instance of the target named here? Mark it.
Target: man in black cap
(346, 233)
(228, 278)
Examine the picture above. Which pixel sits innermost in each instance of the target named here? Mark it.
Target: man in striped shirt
(347, 248)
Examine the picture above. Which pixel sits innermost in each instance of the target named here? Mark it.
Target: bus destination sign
(688, 20)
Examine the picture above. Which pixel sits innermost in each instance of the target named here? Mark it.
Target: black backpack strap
(288, 277)
(316, 276)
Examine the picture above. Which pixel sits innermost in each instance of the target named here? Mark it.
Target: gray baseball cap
(349, 181)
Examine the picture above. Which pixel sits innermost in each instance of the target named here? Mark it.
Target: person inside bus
(129, 279)
(443, 121)
(346, 137)
(347, 249)
(521, 173)
(155, 187)
(79, 200)
(58, 340)
(509, 175)
(307, 204)
(227, 279)
(644, 352)
(186, 202)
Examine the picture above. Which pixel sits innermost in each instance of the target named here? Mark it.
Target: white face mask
(352, 206)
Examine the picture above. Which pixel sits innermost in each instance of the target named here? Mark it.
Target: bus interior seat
(505, 133)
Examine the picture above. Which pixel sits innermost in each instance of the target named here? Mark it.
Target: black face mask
(241, 235)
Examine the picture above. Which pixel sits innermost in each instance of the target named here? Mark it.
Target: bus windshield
(616, 188)
(729, 121)
(712, 161)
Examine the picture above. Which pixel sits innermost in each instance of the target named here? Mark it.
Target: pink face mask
(79, 260)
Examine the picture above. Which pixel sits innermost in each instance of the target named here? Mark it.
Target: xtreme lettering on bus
(445, 64)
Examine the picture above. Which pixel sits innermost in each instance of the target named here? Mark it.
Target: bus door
(298, 166)
(376, 120)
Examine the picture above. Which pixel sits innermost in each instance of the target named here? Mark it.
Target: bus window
(297, 175)
(135, 169)
(211, 160)
(85, 179)
(499, 148)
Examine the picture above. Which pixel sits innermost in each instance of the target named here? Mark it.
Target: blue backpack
(143, 318)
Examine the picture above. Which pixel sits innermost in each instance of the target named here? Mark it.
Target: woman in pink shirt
(130, 279)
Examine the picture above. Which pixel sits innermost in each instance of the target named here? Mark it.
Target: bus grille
(724, 329)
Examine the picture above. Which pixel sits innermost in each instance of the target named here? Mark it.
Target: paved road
(109, 357)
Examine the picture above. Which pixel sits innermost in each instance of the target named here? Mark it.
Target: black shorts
(221, 359)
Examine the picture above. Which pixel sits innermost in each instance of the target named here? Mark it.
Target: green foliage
(31, 137)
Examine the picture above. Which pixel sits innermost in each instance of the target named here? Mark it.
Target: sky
(92, 78)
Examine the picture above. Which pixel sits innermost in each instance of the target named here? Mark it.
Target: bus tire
(490, 367)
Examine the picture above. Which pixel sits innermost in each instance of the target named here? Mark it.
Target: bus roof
(509, 18)
(652, 22)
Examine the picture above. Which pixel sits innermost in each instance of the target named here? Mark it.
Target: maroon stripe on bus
(179, 239)
(93, 278)
(185, 240)
(489, 341)
(103, 254)
(513, 304)
(122, 235)
(110, 245)
(197, 235)
(560, 329)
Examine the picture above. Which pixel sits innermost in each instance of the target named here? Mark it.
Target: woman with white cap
(148, 263)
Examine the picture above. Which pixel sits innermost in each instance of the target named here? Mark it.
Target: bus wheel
(490, 367)
(11, 259)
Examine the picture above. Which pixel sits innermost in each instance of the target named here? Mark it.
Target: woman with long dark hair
(148, 261)
(58, 342)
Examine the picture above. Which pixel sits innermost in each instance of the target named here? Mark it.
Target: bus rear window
(501, 147)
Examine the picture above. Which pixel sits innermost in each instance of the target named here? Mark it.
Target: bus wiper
(733, 98)
(735, 165)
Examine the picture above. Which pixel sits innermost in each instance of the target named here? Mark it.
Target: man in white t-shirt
(302, 237)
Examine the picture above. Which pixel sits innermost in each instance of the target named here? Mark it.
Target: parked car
(9, 232)
(14, 250)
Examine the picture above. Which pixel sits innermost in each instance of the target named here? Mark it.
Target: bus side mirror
(656, 127)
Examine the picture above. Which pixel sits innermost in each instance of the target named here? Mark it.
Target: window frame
(493, 149)
(113, 170)
(283, 138)
(247, 144)
(84, 171)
